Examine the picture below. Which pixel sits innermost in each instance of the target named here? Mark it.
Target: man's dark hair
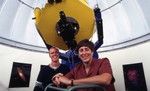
(86, 43)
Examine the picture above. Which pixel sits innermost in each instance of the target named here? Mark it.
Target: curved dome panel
(125, 23)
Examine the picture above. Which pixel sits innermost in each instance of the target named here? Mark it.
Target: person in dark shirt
(47, 72)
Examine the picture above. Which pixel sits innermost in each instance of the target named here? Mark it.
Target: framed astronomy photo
(134, 77)
(20, 75)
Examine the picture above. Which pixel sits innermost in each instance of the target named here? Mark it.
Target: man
(89, 71)
(47, 72)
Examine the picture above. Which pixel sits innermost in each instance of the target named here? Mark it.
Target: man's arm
(103, 79)
(63, 56)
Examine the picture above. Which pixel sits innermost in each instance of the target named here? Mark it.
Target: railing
(83, 86)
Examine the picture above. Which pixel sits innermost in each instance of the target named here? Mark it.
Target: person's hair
(54, 48)
(85, 43)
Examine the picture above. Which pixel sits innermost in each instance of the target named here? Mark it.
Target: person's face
(54, 54)
(85, 54)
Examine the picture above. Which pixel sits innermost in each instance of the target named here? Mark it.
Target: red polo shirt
(98, 67)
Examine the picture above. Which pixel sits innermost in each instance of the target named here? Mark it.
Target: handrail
(54, 88)
(72, 88)
(101, 88)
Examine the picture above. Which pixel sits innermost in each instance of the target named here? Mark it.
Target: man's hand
(60, 79)
(64, 80)
(55, 79)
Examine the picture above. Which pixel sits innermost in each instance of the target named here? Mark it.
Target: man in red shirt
(88, 71)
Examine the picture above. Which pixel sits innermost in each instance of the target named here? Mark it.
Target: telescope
(67, 28)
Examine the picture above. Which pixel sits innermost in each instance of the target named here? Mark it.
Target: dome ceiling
(125, 23)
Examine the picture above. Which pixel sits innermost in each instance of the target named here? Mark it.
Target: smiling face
(54, 54)
(85, 54)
